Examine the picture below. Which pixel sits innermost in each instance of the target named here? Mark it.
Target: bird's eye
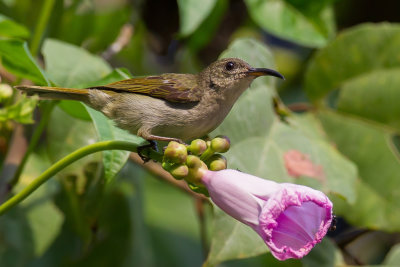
(230, 66)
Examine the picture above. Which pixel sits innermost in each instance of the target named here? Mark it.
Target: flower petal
(293, 221)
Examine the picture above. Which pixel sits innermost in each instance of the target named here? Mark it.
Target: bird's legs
(152, 142)
(163, 138)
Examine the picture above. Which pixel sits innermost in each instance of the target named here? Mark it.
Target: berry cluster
(190, 161)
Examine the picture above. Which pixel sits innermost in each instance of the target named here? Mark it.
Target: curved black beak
(263, 72)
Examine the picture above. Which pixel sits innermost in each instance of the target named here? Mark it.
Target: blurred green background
(339, 107)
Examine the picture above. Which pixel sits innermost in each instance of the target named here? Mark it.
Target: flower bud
(175, 152)
(197, 146)
(193, 162)
(196, 169)
(217, 162)
(5, 91)
(179, 171)
(220, 144)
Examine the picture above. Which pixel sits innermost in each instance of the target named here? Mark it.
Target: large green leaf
(17, 59)
(17, 245)
(310, 23)
(9, 28)
(232, 240)
(96, 35)
(192, 13)
(203, 34)
(44, 218)
(113, 160)
(325, 254)
(260, 142)
(371, 147)
(265, 157)
(171, 219)
(375, 96)
(69, 66)
(65, 135)
(393, 257)
(358, 51)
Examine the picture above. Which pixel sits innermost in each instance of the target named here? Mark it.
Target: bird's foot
(152, 144)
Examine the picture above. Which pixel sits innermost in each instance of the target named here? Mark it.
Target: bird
(166, 107)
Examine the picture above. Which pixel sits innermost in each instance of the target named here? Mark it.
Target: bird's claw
(152, 145)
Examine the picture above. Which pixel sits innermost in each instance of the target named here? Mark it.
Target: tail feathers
(55, 93)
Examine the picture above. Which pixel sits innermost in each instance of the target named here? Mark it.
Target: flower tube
(291, 219)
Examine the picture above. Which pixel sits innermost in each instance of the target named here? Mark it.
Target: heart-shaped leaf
(310, 23)
(17, 59)
(358, 51)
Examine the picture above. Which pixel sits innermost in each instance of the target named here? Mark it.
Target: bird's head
(233, 73)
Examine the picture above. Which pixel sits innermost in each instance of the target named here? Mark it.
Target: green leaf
(357, 51)
(17, 59)
(310, 23)
(370, 146)
(393, 257)
(206, 31)
(70, 66)
(66, 134)
(192, 13)
(75, 109)
(172, 223)
(96, 35)
(374, 95)
(232, 240)
(16, 246)
(9, 28)
(44, 218)
(334, 174)
(21, 111)
(113, 160)
(324, 254)
(117, 74)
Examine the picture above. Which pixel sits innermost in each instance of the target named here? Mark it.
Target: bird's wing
(181, 88)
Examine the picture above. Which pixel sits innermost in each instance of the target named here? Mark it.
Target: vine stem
(67, 160)
(48, 107)
(34, 48)
(41, 25)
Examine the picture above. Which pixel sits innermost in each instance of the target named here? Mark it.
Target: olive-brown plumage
(168, 106)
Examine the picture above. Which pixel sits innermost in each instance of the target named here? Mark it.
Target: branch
(44, 17)
(162, 174)
(122, 40)
(17, 148)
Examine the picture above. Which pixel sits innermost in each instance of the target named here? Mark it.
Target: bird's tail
(55, 93)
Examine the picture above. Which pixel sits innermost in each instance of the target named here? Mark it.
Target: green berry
(175, 152)
(220, 144)
(197, 146)
(5, 91)
(193, 162)
(217, 162)
(179, 171)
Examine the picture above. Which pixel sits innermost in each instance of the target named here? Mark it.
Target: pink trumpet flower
(291, 219)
